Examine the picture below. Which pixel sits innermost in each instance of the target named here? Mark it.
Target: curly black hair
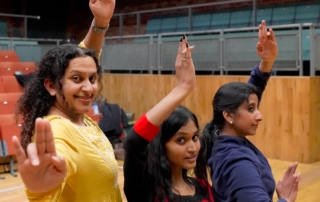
(36, 100)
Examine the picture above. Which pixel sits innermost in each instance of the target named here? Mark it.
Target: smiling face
(247, 117)
(79, 86)
(182, 149)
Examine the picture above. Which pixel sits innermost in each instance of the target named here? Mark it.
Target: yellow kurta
(92, 168)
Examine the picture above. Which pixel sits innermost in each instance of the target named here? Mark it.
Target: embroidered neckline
(106, 155)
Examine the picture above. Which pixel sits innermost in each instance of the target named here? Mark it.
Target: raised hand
(186, 82)
(287, 188)
(267, 47)
(102, 11)
(184, 65)
(41, 169)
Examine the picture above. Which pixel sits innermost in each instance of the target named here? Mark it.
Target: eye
(180, 141)
(93, 79)
(195, 138)
(76, 79)
(251, 108)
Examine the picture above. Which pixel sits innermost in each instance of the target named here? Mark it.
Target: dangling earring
(231, 122)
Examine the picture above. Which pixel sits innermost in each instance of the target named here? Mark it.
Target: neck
(229, 130)
(176, 176)
(73, 117)
(179, 186)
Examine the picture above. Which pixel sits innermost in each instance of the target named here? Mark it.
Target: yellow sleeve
(65, 147)
(98, 54)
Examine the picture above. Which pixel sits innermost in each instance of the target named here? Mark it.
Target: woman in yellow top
(67, 158)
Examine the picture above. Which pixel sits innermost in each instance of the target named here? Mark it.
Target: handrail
(21, 16)
(183, 7)
(189, 7)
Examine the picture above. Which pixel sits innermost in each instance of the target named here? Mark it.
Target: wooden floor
(11, 188)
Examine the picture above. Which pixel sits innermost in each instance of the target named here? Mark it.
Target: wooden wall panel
(314, 140)
(290, 107)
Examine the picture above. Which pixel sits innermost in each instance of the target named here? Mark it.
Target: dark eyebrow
(79, 72)
(184, 133)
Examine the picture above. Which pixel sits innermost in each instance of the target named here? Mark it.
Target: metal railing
(216, 50)
(25, 17)
(221, 51)
(188, 8)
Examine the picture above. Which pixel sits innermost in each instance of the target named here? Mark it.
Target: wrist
(185, 88)
(99, 29)
(102, 23)
(266, 66)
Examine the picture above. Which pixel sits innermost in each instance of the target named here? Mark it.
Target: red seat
(9, 68)
(7, 131)
(8, 71)
(8, 56)
(7, 119)
(8, 102)
(11, 85)
(2, 87)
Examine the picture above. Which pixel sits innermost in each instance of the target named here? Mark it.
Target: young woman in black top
(164, 145)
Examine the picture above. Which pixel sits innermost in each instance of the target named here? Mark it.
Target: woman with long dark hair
(164, 145)
(239, 171)
(64, 155)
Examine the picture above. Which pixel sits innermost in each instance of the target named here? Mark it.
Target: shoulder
(61, 127)
(230, 152)
(228, 146)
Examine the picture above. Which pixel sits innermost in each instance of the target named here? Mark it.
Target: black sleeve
(135, 164)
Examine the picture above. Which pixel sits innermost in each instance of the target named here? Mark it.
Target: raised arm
(186, 81)
(102, 11)
(147, 126)
(267, 49)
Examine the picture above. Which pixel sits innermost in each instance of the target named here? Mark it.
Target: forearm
(266, 66)
(166, 106)
(94, 40)
(259, 78)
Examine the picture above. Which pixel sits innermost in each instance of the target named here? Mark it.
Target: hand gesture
(41, 170)
(184, 65)
(267, 47)
(102, 11)
(287, 188)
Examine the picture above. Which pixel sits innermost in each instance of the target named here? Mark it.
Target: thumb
(259, 47)
(59, 163)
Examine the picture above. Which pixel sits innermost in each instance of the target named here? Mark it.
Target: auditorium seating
(275, 15)
(10, 68)
(8, 56)
(11, 84)
(10, 92)
(8, 129)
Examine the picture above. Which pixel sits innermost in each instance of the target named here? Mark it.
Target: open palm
(102, 9)
(267, 47)
(41, 169)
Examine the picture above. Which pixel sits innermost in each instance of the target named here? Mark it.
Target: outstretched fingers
(18, 150)
(50, 145)
(271, 35)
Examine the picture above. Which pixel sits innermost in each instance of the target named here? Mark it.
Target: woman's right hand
(41, 169)
(287, 188)
(184, 65)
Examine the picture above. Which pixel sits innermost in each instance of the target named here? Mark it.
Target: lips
(191, 157)
(84, 98)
